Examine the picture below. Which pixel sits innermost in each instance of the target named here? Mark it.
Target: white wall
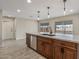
(23, 26)
(74, 18)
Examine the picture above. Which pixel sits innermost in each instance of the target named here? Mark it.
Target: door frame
(14, 25)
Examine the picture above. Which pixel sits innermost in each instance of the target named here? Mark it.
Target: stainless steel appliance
(33, 43)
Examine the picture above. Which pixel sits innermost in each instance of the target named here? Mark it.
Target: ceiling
(29, 11)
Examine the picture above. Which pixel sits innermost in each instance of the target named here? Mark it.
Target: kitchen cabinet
(64, 53)
(31, 41)
(69, 54)
(40, 46)
(28, 39)
(64, 50)
(45, 47)
(57, 53)
(53, 48)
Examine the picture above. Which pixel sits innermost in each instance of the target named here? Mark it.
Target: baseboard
(9, 39)
(20, 38)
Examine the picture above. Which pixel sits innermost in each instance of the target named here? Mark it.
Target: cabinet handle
(62, 43)
(62, 50)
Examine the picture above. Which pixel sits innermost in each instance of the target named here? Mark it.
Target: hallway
(16, 49)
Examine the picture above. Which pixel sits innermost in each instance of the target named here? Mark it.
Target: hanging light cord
(64, 5)
(38, 13)
(48, 11)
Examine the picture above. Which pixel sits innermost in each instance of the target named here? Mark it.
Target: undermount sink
(49, 34)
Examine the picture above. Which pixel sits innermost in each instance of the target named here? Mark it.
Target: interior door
(8, 29)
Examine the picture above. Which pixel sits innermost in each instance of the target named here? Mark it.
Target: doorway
(8, 28)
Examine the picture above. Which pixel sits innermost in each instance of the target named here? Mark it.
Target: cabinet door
(69, 54)
(40, 47)
(28, 38)
(64, 53)
(45, 49)
(48, 49)
(57, 52)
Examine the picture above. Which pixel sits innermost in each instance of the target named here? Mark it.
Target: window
(65, 27)
(44, 27)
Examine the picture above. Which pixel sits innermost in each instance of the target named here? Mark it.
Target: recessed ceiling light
(18, 10)
(71, 10)
(29, 1)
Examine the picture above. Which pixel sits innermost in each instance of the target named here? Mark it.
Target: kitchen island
(58, 46)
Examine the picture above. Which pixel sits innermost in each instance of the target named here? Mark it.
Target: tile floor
(17, 49)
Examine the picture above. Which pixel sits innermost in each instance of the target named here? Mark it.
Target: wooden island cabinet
(28, 39)
(45, 47)
(55, 49)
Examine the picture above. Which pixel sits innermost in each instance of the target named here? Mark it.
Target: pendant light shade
(64, 1)
(38, 17)
(48, 12)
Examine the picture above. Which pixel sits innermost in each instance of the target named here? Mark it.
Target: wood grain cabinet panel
(69, 54)
(45, 48)
(65, 44)
(66, 50)
(45, 39)
(54, 49)
(40, 47)
(68, 44)
(28, 39)
(57, 53)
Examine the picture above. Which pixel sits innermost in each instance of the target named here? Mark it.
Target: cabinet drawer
(68, 44)
(57, 43)
(65, 44)
(47, 40)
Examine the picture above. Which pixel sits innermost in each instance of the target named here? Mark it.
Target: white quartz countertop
(63, 37)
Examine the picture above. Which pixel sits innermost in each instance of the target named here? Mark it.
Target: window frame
(64, 24)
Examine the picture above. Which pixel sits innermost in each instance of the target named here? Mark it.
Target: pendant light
(29, 1)
(64, 1)
(38, 15)
(48, 12)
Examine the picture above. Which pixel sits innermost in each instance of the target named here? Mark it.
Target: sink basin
(49, 34)
(44, 34)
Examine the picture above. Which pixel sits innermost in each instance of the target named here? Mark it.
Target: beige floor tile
(17, 49)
